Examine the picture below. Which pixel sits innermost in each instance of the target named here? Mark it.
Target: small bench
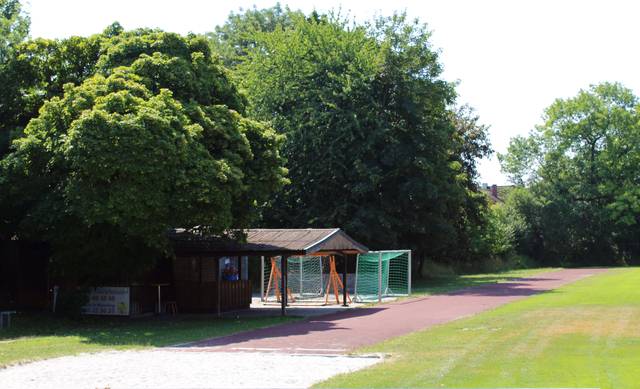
(5, 316)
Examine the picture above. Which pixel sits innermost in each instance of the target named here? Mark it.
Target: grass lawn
(39, 336)
(448, 284)
(33, 337)
(585, 334)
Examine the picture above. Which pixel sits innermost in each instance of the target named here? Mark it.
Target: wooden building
(199, 285)
(195, 280)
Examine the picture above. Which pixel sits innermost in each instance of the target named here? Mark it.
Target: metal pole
(262, 278)
(379, 277)
(56, 288)
(283, 283)
(301, 275)
(344, 282)
(409, 279)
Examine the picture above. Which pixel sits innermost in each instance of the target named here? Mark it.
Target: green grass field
(34, 337)
(585, 334)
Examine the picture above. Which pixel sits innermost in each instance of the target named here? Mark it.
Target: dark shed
(196, 245)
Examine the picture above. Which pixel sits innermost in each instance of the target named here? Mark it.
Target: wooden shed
(201, 259)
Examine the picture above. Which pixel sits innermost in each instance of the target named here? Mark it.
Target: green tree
(372, 144)
(521, 161)
(14, 27)
(585, 178)
(155, 139)
(237, 36)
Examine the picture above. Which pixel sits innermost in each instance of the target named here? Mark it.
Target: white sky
(512, 58)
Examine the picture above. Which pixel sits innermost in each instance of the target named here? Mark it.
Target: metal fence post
(380, 277)
(301, 275)
(409, 279)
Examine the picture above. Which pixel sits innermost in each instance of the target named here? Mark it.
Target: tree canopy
(373, 141)
(581, 166)
(154, 138)
(235, 38)
(14, 27)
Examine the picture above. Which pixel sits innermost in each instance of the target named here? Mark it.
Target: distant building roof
(264, 241)
(497, 193)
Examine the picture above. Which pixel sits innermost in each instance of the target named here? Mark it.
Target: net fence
(378, 274)
(306, 277)
(382, 274)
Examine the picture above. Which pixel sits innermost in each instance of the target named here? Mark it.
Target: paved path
(344, 331)
(164, 369)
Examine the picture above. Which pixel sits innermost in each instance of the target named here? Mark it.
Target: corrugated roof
(294, 241)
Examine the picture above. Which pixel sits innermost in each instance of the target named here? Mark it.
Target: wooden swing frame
(335, 283)
(275, 277)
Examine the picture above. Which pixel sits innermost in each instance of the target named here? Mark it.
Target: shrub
(70, 302)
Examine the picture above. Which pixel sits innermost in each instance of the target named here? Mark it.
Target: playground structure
(310, 280)
(313, 279)
(275, 279)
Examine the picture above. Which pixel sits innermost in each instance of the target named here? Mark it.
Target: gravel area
(178, 369)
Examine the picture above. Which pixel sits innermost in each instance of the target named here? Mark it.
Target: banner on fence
(112, 301)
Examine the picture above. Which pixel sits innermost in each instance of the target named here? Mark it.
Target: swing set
(274, 279)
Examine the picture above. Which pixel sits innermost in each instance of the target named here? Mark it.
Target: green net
(382, 274)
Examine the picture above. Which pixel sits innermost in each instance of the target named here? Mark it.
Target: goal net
(381, 274)
(305, 278)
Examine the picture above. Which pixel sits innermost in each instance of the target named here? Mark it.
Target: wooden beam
(283, 284)
(219, 282)
(344, 281)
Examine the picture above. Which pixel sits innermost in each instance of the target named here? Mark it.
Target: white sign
(108, 301)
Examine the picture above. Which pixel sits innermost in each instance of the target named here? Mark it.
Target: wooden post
(219, 288)
(355, 281)
(344, 282)
(283, 285)
(335, 283)
(262, 278)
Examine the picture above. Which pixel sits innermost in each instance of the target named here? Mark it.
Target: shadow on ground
(147, 331)
(166, 331)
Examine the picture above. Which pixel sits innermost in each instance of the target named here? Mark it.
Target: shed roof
(264, 241)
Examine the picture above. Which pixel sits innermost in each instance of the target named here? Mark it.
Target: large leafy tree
(372, 142)
(581, 164)
(14, 28)
(234, 39)
(154, 139)
(37, 72)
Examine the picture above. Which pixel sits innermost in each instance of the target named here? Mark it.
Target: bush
(519, 261)
(497, 264)
(70, 302)
(431, 269)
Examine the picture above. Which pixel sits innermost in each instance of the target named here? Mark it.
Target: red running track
(344, 331)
